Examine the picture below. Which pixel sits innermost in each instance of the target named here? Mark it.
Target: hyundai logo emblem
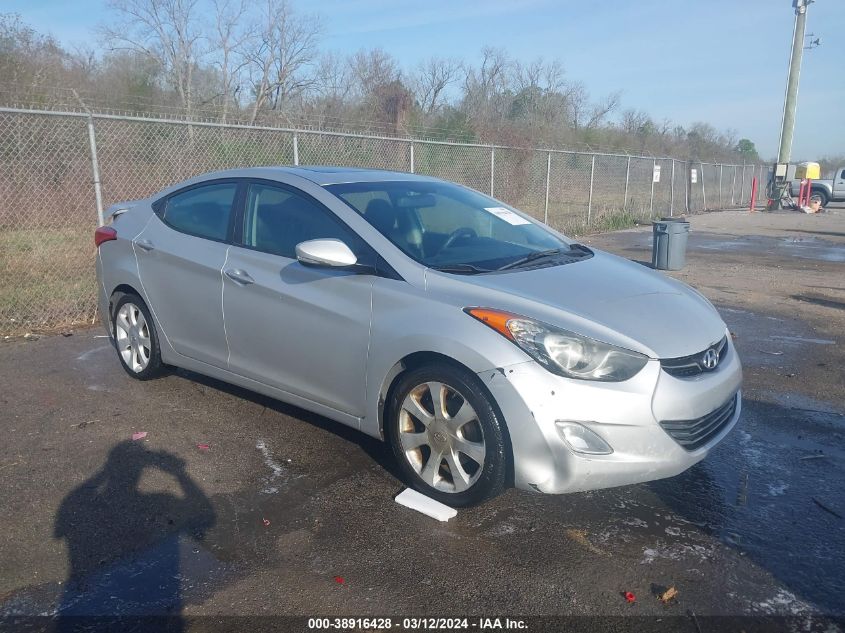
(710, 359)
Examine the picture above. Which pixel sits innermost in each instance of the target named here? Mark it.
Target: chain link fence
(57, 166)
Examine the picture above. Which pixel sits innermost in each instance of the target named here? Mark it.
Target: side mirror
(329, 252)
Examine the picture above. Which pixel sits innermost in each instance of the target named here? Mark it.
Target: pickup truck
(828, 190)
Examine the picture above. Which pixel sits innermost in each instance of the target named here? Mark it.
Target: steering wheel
(457, 234)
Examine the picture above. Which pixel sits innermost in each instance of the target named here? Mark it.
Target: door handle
(146, 245)
(239, 276)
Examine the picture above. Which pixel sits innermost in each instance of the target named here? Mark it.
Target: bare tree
(333, 78)
(539, 100)
(378, 92)
(584, 114)
(167, 31)
(281, 54)
(632, 121)
(229, 39)
(329, 98)
(578, 101)
(600, 110)
(371, 69)
(484, 86)
(548, 76)
(28, 59)
(431, 80)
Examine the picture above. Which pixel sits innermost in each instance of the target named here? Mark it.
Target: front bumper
(626, 415)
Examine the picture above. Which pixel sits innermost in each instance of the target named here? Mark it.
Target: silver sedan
(486, 348)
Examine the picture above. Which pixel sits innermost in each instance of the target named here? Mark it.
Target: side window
(276, 220)
(842, 175)
(203, 211)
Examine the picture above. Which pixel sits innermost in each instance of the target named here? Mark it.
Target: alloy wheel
(132, 337)
(441, 437)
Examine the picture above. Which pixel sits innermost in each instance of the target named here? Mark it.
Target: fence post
(703, 193)
(651, 204)
(672, 192)
(627, 178)
(548, 184)
(95, 170)
(687, 186)
(721, 204)
(492, 168)
(412, 156)
(295, 149)
(590, 199)
(742, 185)
(733, 187)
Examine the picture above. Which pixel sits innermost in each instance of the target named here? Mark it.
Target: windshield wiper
(461, 269)
(575, 251)
(532, 257)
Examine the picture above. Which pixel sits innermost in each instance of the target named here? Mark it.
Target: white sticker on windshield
(507, 215)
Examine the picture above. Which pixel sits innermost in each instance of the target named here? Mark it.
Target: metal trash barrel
(669, 245)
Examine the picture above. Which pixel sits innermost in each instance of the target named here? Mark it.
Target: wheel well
(420, 359)
(122, 289)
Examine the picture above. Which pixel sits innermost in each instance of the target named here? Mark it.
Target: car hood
(604, 297)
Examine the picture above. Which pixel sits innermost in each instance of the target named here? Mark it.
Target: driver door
(300, 329)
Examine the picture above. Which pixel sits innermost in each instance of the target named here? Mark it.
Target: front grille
(692, 365)
(693, 434)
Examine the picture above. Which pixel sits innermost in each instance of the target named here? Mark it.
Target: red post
(801, 193)
(753, 194)
(807, 191)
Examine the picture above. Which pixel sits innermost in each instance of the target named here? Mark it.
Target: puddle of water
(801, 339)
(776, 490)
(91, 352)
(805, 248)
(756, 478)
(277, 471)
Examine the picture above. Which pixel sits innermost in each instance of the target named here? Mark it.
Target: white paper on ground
(428, 506)
(507, 215)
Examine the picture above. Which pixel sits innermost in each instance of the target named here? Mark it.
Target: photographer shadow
(125, 545)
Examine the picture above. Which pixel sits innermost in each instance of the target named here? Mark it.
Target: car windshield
(450, 227)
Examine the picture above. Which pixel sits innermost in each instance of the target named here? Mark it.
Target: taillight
(104, 234)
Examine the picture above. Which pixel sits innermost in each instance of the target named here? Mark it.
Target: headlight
(563, 352)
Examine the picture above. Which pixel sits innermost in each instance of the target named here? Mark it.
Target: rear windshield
(442, 225)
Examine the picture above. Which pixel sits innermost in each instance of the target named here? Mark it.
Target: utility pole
(791, 99)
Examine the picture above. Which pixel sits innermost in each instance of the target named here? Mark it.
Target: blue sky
(719, 61)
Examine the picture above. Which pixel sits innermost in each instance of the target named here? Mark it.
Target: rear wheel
(447, 436)
(135, 338)
(821, 194)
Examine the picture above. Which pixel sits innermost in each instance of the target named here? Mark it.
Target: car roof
(320, 174)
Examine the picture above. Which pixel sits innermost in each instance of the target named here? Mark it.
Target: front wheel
(446, 436)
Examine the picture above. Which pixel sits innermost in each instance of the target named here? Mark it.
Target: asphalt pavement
(236, 504)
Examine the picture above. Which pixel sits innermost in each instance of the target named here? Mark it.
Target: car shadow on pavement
(124, 544)
(377, 450)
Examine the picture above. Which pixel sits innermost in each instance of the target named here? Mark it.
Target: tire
(821, 193)
(458, 457)
(135, 338)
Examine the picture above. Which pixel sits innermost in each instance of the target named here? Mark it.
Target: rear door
(180, 257)
(301, 329)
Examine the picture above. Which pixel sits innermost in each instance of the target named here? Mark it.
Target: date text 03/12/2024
(414, 624)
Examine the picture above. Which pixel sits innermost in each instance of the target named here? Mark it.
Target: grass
(48, 279)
